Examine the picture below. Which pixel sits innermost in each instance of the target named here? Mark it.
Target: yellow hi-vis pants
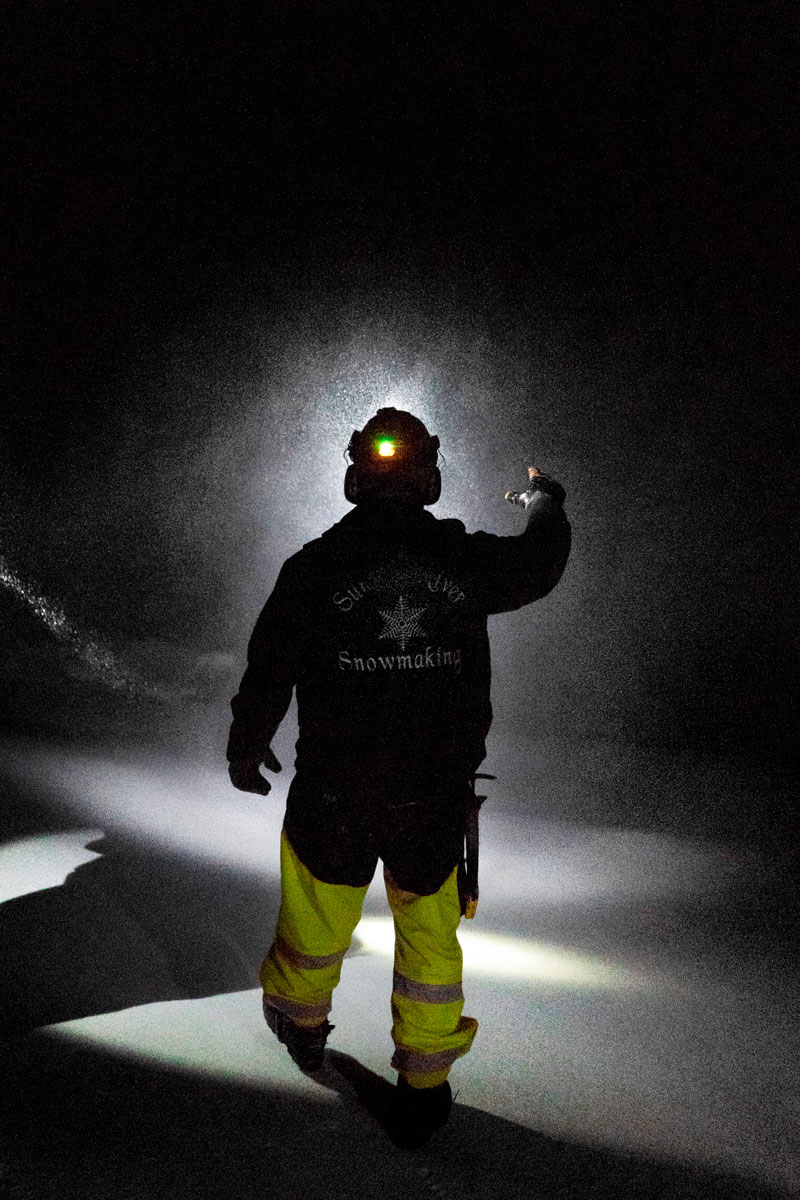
(314, 930)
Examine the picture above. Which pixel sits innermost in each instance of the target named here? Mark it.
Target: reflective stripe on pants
(429, 1031)
(314, 930)
(315, 926)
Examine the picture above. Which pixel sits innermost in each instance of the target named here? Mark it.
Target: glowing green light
(386, 449)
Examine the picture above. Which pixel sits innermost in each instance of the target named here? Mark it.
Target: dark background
(564, 232)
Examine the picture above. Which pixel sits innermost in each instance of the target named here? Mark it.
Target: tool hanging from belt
(468, 868)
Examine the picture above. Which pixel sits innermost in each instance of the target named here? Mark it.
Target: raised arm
(520, 569)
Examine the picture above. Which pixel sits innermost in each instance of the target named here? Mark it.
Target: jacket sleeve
(266, 687)
(516, 570)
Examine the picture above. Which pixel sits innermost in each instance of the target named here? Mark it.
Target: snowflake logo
(401, 623)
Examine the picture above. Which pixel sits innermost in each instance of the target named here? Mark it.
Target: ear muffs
(435, 490)
(434, 487)
(351, 488)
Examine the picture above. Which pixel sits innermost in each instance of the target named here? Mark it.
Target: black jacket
(381, 625)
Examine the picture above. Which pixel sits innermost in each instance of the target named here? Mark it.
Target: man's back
(381, 624)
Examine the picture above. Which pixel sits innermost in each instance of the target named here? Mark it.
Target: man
(380, 625)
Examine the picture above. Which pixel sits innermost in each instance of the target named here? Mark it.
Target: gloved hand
(539, 482)
(245, 775)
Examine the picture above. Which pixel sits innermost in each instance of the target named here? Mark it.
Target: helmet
(393, 457)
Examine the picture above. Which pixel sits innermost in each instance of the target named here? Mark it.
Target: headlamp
(393, 455)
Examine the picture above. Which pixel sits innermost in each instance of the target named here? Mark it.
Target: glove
(538, 482)
(245, 775)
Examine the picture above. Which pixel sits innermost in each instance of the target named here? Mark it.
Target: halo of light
(513, 958)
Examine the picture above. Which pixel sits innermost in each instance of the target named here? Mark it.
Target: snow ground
(635, 991)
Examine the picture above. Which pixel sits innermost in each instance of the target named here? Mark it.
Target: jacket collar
(385, 518)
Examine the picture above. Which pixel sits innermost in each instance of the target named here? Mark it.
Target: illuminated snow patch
(513, 958)
(31, 864)
(169, 803)
(192, 808)
(224, 1036)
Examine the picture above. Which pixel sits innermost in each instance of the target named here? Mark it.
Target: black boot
(418, 1112)
(306, 1044)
